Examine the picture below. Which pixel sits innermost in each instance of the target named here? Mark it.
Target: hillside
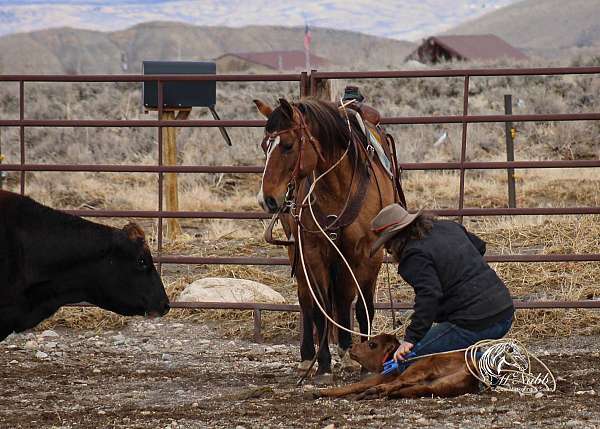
(74, 51)
(401, 20)
(550, 28)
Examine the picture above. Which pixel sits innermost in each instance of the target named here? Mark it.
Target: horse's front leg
(307, 345)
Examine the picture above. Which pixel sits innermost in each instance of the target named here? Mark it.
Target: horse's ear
(287, 108)
(263, 108)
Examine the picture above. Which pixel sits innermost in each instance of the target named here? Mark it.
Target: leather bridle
(305, 135)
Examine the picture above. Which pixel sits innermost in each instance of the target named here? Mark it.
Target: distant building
(463, 48)
(268, 61)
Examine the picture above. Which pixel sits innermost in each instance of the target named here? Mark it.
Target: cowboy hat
(390, 221)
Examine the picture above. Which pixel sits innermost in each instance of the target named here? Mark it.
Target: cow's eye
(372, 345)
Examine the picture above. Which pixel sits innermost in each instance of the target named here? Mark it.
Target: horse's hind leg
(343, 297)
(323, 355)
(363, 315)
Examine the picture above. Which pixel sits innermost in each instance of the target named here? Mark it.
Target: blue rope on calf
(392, 366)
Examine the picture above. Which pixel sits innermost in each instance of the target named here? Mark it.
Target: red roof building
(271, 60)
(482, 47)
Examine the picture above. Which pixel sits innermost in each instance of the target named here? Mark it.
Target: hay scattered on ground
(535, 281)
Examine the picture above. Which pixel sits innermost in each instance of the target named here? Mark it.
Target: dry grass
(536, 281)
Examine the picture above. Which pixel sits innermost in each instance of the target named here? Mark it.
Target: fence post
(170, 154)
(1, 159)
(257, 325)
(510, 152)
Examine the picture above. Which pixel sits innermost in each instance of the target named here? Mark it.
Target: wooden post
(1, 159)
(510, 152)
(170, 158)
(326, 90)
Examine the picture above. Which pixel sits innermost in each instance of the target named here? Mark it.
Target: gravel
(161, 374)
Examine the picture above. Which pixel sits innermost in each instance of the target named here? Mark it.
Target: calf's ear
(134, 231)
(391, 346)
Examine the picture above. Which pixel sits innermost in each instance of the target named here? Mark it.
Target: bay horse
(302, 141)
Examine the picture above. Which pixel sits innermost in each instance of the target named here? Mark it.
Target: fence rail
(307, 84)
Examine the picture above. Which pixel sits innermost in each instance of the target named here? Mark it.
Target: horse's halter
(270, 141)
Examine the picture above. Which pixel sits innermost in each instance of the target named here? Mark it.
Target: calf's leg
(361, 386)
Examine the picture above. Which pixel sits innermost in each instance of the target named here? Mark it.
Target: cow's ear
(263, 108)
(134, 232)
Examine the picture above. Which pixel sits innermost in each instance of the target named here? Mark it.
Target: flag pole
(307, 40)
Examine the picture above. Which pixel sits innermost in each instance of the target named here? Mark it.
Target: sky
(399, 19)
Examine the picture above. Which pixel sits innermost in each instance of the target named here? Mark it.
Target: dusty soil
(166, 374)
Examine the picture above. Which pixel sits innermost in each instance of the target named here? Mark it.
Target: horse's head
(291, 150)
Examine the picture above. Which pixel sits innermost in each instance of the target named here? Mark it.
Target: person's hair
(415, 231)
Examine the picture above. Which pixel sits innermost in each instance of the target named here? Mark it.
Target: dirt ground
(167, 374)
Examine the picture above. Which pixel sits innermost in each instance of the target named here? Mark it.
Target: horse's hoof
(349, 364)
(303, 366)
(323, 379)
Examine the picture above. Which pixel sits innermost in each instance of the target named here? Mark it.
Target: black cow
(49, 258)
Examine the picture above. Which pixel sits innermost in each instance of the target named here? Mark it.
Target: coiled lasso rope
(505, 365)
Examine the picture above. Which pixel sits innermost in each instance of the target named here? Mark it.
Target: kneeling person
(453, 284)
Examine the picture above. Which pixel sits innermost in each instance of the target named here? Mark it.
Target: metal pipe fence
(307, 84)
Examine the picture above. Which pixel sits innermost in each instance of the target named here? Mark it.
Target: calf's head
(128, 282)
(373, 353)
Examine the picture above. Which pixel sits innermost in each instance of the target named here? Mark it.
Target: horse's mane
(325, 119)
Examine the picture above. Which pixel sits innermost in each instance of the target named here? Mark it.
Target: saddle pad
(385, 161)
(373, 137)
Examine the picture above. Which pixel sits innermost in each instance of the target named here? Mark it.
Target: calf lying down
(441, 375)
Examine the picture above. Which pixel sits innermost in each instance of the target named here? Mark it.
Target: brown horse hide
(441, 375)
(304, 141)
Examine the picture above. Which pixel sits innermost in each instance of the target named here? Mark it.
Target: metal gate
(307, 84)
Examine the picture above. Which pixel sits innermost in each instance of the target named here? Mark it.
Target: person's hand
(402, 350)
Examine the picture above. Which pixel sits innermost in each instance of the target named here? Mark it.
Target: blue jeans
(446, 336)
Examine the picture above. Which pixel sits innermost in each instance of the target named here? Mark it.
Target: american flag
(307, 40)
(307, 37)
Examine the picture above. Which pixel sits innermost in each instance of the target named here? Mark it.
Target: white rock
(14, 362)
(217, 289)
(539, 395)
(41, 355)
(49, 333)
(50, 345)
(30, 345)
(166, 356)
(118, 339)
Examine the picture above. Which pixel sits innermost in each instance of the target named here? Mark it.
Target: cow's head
(129, 283)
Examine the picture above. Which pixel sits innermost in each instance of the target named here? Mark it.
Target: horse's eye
(372, 345)
(286, 147)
